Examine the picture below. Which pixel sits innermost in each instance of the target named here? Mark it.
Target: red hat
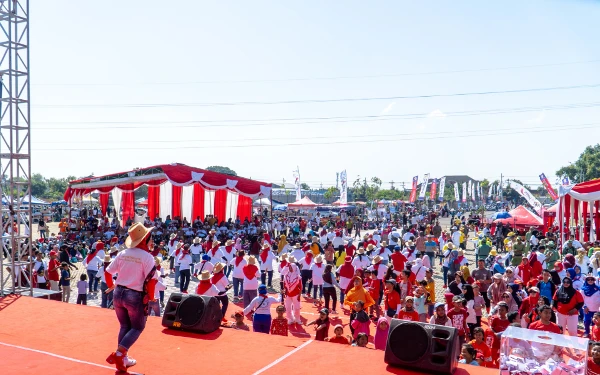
(114, 239)
(53, 253)
(348, 259)
(100, 246)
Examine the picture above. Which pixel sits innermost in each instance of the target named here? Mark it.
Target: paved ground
(95, 300)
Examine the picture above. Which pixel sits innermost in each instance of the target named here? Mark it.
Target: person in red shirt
(593, 364)
(458, 316)
(398, 260)
(498, 324)
(529, 304)
(391, 299)
(544, 324)
(279, 325)
(567, 301)
(54, 270)
(595, 331)
(479, 344)
(408, 312)
(373, 285)
(339, 336)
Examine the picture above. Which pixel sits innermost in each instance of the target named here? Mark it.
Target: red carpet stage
(47, 337)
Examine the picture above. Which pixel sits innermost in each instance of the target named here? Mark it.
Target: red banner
(413, 193)
(548, 187)
(433, 190)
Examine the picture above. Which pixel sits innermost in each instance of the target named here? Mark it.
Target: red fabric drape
(244, 208)
(576, 217)
(585, 217)
(176, 199)
(597, 219)
(127, 204)
(153, 201)
(221, 204)
(103, 203)
(198, 208)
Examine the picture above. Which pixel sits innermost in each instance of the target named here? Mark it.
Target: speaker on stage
(422, 347)
(193, 313)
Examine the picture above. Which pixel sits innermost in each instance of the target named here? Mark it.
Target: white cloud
(388, 108)
(538, 119)
(436, 114)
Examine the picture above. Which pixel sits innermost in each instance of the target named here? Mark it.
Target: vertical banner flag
(456, 195)
(480, 192)
(464, 197)
(433, 190)
(527, 195)
(490, 190)
(297, 184)
(424, 187)
(344, 191)
(473, 191)
(565, 181)
(468, 190)
(413, 192)
(442, 187)
(548, 187)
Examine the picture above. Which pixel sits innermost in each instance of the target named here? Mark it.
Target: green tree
(304, 186)
(587, 167)
(38, 185)
(511, 194)
(331, 193)
(391, 194)
(221, 169)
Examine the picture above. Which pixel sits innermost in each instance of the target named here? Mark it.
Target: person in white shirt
(185, 264)
(205, 286)
(204, 265)
(251, 274)
(134, 268)
(92, 263)
(361, 261)
(292, 284)
(456, 237)
(261, 305)
(172, 247)
(237, 275)
(377, 237)
(394, 237)
(195, 250)
(220, 281)
(338, 240)
(297, 252)
(215, 253)
(317, 269)
(266, 259)
(305, 263)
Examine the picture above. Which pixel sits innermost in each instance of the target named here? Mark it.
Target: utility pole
(392, 183)
(501, 188)
(337, 180)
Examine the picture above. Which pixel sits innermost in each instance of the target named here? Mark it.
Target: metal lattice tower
(15, 147)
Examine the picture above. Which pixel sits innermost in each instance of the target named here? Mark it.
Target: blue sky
(118, 85)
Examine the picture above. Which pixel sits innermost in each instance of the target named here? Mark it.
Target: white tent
(262, 202)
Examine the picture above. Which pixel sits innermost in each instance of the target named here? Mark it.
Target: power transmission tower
(15, 146)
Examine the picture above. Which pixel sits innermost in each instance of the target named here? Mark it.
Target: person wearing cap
(195, 251)
(408, 312)
(239, 322)
(136, 276)
(261, 306)
(266, 259)
(439, 317)
(54, 271)
(321, 325)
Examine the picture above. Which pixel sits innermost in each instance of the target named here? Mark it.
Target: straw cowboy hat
(451, 245)
(251, 259)
(360, 250)
(377, 259)
(179, 244)
(297, 246)
(107, 258)
(205, 275)
(172, 236)
(137, 233)
(218, 267)
(291, 259)
(266, 246)
(319, 259)
(370, 247)
(284, 256)
(212, 231)
(215, 243)
(229, 242)
(197, 240)
(315, 239)
(410, 243)
(383, 244)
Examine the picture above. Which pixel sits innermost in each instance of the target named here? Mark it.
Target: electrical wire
(314, 101)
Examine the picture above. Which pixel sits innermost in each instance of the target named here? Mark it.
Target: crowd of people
(527, 279)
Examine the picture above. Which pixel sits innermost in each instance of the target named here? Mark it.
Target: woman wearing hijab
(558, 273)
(498, 266)
(509, 275)
(455, 287)
(535, 265)
(591, 301)
(495, 290)
(292, 282)
(582, 260)
(567, 301)
(524, 271)
(355, 294)
(528, 305)
(569, 261)
(595, 262)
(466, 274)
(513, 289)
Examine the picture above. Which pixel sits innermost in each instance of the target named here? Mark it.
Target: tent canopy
(521, 217)
(578, 204)
(143, 202)
(34, 201)
(303, 203)
(262, 202)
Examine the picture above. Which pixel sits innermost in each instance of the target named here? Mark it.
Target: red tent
(143, 203)
(303, 203)
(521, 217)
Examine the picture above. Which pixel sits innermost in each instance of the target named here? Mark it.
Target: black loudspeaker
(193, 313)
(422, 347)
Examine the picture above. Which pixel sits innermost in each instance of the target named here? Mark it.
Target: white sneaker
(129, 362)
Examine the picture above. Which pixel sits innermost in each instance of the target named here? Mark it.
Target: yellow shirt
(430, 288)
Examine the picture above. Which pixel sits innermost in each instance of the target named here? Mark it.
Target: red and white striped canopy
(579, 210)
(176, 190)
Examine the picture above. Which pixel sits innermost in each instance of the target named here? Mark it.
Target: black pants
(264, 278)
(352, 318)
(82, 299)
(306, 275)
(224, 302)
(486, 299)
(185, 275)
(329, 293)
(172, 263)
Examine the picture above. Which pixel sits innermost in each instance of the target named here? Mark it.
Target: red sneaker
(118, 361)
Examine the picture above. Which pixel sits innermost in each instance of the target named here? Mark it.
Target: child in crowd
(361, 322)
(362, 339)
(595, 331)
(279, 325)
(439, 317)
(239, 322)
(339, 338)
(373, 285)
(479, 344)
(429, 285)
(408, 312)
(321, 325)
(420, 306)
(458, 315)
(82, 290)
(593, 364)
(469, 355)
(381, 333)
(65, 281)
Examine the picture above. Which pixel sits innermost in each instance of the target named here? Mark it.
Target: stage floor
(49, 337)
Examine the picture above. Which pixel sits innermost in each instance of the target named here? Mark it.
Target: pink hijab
(381, 334)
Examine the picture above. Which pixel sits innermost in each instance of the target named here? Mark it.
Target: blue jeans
(195, 260)
(306, 275)
(106, 299)
(154, 308)
(445, 272)
(261, 323)
(176, 274)
(342, 297)
(264, 278)
(93, 281)
(587, 321)
(238, 287)
(315, 288)
(130, 312)
(228, 270)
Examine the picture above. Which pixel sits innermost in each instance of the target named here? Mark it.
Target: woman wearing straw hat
(220, 281)
(136, 278)
(251, 274)
(266, 259)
